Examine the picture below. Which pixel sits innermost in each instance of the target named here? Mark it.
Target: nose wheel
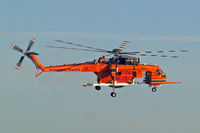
(154, 89)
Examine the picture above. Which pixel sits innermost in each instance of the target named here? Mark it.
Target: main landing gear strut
(113, 94)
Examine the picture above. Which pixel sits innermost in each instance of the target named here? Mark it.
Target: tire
(113, 94)
(98, 88)
(154, 89)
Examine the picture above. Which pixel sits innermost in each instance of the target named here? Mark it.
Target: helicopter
(119, 71)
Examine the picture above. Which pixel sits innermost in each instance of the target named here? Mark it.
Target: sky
(57, 102)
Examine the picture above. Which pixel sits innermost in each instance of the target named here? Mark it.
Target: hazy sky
(57, 102)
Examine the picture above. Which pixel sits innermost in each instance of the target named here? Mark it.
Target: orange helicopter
(116, 72)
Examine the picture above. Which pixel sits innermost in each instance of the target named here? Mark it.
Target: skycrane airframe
(116, 72)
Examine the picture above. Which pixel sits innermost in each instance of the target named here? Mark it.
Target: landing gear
(113, 94)
(98, 88)
(154, 89)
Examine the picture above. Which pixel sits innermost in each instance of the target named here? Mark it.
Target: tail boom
(37, 62)
(81, 67)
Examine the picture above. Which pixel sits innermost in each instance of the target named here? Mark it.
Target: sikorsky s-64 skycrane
(116, 72)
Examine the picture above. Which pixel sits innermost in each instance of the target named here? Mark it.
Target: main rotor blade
(13, 46)
(154, 55)
(123, 46)
(149, 52)
(30, 44)
(77, 49)
(19, 62)
(84, 46)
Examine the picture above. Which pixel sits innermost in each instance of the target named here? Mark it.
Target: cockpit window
(158, 72)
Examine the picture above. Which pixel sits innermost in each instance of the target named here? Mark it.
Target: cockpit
(160, 72)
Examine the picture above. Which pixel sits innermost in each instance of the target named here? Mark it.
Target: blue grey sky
(57, 102)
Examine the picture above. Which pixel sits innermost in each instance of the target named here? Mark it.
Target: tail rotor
(16, 48)
(19, 62)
